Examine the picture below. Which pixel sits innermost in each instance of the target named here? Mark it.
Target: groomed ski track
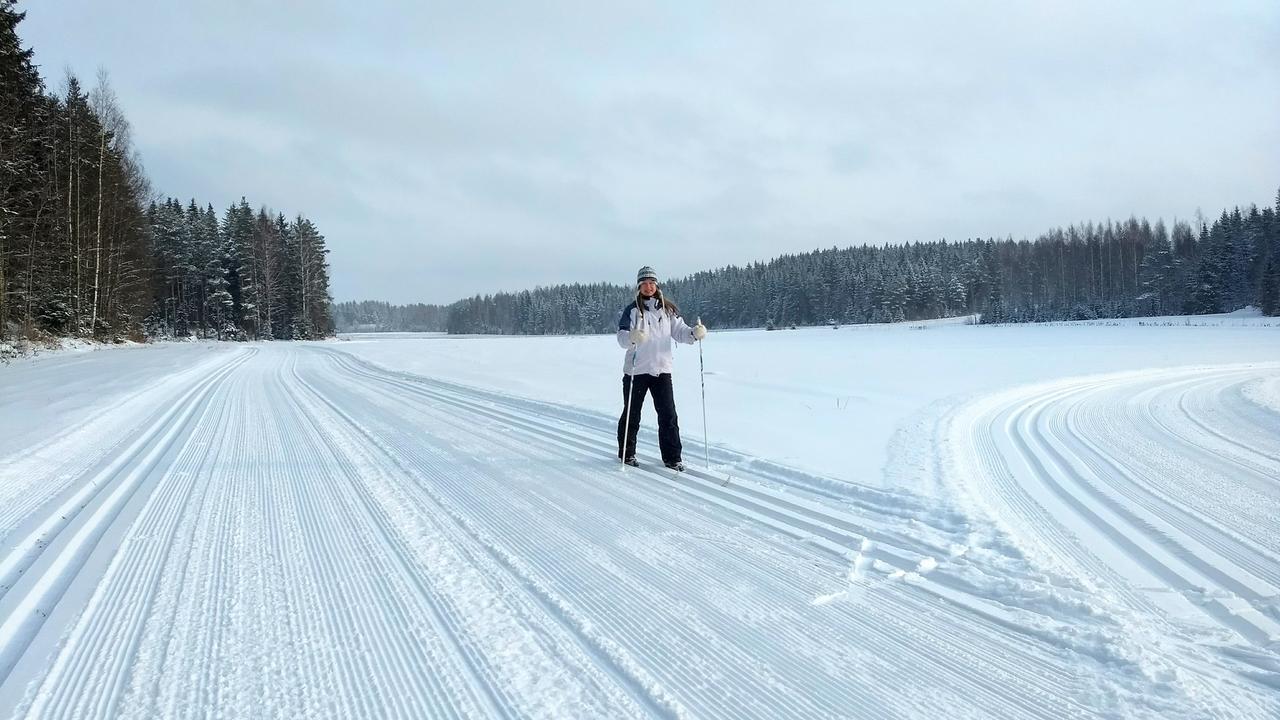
(1157, 492)
(287, 531)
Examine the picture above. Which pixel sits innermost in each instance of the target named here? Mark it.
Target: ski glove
(638, 335)
(699, 331)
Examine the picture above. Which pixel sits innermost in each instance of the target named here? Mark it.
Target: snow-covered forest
(382, 316)
(254, 274)
(88, 249)
(1094, 270)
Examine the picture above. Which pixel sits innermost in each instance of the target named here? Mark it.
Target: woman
(645, 330)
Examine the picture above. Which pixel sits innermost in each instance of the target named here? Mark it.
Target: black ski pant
(663, 401)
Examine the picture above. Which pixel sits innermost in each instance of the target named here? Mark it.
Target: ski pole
(702, 377)
(631, 390)
(626, 410)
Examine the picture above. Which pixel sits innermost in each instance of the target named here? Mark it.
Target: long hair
(669, 307)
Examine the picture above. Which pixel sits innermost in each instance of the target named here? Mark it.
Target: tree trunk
(31, 256)
(79, 205)
(71, 237)
(97, 244)
(4, 303)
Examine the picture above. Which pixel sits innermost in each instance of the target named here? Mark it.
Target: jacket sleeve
(681, 332)
(624, 328)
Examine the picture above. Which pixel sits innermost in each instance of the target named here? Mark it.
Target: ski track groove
(794, 635)
(1230, 501)
(1135, 537)
(1264, 463)
(407, 657)
(322, 578)
(1093, 506)
(825, 520)
(1269, 490)
(1228, 456)
(1018, 429)
(492, 697)
(111, 627)
(531, 552)
(114, 618)
(1110, 466)
(1077, 441)
(287, 517)
(53, 522)
(366, 437)
(1137, 486)
(211, 603)
(584, 429)
(67, 542)
(22, 498)
(150, 699)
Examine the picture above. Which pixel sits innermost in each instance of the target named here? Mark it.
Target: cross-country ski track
(285, 530)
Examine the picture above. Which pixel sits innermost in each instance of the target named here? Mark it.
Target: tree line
(1092, 270)
(252, 274)
(87, 249)
(378, 316)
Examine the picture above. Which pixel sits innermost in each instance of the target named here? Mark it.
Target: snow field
(304, 530)
(823, 401)
(774, 508)
(1212, 432)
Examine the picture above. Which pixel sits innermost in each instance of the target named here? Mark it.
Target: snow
(56, 393)
(822, 400)
(33, 351)
(916, 521)
(1264, 392)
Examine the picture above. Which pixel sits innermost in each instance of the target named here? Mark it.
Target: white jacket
(653, 356)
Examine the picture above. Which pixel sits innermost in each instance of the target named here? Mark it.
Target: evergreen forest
(1092, 270)
(89, 249)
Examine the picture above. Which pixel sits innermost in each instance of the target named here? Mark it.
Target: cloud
(447, 150)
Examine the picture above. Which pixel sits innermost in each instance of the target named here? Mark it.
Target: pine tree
(1270, 300)
(1156, 275)
(1269, 292)
(242, 274)
(216, 300)
(266, 242)
(80, 255)
(21, 196)
(1205, 292)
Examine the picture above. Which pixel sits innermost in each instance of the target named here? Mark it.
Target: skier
(646, 329)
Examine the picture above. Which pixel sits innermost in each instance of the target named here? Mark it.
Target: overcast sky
(453, 149)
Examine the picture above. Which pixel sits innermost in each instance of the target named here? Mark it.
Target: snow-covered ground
(830, 401)
(1077, 520)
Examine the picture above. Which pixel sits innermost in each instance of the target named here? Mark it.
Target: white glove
(638, 335)
(699, 331)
